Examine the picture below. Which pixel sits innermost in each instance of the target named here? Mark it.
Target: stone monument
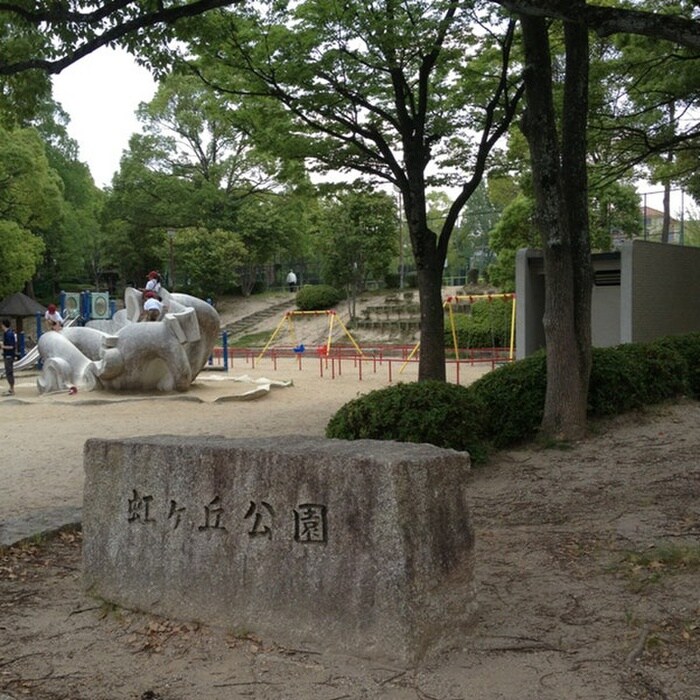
(363, 547)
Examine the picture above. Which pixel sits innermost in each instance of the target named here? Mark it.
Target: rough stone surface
(125, 355)
(364, 547)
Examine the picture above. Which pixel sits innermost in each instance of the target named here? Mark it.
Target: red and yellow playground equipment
(448, 306)
(299, 348)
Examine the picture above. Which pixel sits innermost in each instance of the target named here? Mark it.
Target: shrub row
(505, 407)
(317, 297)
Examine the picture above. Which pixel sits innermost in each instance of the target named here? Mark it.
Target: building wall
(661, 290)
(605, 300)
(645, 291)
(529, 302)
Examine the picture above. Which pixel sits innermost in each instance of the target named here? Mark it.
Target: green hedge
(514, 398)
(317, 297)
(505, 407)
(486, 326)
(631, 376)
(435, 412)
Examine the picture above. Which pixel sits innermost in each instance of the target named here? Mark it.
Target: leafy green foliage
(442, 414)
(205, 260)
(198, 167)
(360, 237)
(505, 407)
(614, 212)
(515, 229)
(688, 347)
(21, 252)
(317, 297)
(514, 399)
(30, 204)
(487, 325)
(469, 247)
(635, 375)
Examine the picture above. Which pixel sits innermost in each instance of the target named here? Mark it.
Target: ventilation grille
(606, 278)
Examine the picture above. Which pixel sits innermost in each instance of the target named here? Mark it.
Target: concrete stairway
(241, 326)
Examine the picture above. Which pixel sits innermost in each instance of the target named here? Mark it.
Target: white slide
(32, 357)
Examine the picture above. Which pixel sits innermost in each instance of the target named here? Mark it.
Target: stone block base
(360, 547)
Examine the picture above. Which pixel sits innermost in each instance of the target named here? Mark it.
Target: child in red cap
(53, 318)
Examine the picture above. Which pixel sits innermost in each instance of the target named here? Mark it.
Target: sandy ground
(587, 562)
(43, 436)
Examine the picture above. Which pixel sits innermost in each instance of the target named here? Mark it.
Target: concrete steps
(242, 326)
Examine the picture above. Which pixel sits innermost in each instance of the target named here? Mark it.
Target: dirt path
(587, 577)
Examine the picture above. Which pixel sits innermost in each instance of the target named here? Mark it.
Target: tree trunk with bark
(560, 187)
(429, 258)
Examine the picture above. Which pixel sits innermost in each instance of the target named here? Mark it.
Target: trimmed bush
(318, 297)
(627, 377)
(392, 280)
(514, 399)
(688, 347)
(505, 407)
(611, 389)
(435, 412)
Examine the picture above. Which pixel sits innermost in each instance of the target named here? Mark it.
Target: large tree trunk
(561, 213)
(575, 180)
(429, 265)
(432, 324)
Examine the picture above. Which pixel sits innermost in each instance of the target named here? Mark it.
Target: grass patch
(650, 566)
(253, 340)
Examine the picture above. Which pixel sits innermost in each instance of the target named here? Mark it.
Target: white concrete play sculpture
(123, 354)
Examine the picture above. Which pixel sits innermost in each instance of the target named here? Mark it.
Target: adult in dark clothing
(9, 349)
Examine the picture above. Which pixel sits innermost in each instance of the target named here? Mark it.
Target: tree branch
(605, 21)
(92, 22)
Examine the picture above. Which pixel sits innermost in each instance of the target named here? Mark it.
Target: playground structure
(77, 308)
(337, 353)
(449, 305)
(122, 354)
(471, 298)
(88, 306)
(334, 358)
(299, 348)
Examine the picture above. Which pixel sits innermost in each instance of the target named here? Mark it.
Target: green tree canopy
(197, 166)
(385, 89)
(30, 205)
(360, 240)
(207, 260)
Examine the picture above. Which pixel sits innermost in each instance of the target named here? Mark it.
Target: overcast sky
(101, 93)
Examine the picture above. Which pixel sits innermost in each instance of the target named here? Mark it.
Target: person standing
(292, 281)
(153, 284)
(53, 318)
(9, 349)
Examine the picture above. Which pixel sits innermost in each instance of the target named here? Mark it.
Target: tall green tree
(30, 205)
(394, 90)
(515, 229)
(560, 184)
(648, 117)
(470, 248)
(207, 260)
(360, 240)
(196, 166)
(51, 36)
